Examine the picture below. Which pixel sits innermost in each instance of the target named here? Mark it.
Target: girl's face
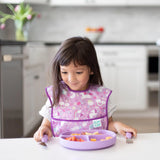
(76, 77)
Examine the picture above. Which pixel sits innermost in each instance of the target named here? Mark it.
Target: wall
(8, 32)
(121, 23)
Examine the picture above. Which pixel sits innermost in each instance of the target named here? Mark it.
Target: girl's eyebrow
(78, 68)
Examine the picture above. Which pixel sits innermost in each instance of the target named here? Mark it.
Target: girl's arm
(45, 128)
(120, 128)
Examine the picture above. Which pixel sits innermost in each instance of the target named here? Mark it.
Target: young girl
(77, 100)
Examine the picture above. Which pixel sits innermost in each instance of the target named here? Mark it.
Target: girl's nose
(71, 78)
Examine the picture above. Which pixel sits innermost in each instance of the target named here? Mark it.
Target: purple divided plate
(101, 141)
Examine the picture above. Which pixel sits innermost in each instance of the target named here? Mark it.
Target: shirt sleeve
(111, 108)
(46, 110)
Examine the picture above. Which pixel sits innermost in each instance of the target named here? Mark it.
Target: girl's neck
(83, 90)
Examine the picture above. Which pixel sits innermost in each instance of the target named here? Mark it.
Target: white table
(145, 146)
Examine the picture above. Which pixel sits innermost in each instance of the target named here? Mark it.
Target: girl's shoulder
(50, 88)
(99, 91)
(98, 87)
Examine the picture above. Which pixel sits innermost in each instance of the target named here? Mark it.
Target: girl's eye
(64, 72)
(79, 72)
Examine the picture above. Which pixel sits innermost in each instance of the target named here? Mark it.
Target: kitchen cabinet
(25, 1)
(36, 78)
(143, 2)
(35, 81)
(36, 1)
(88, 2)
(123, 70)
(11, 1)
(34, 87)
(23, 82)
(153, 76)
(11, 90)
(109, 2)
(51, 52)
(67, 2)
(104, 2)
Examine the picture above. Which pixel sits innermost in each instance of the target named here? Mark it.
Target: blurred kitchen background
(127, 51)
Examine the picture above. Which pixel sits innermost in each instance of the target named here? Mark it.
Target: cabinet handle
(9, 57)
(109, 53)
(36, 77)
(112, 64)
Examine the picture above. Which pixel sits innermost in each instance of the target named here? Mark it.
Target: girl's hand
(123, 128)
(43, 129)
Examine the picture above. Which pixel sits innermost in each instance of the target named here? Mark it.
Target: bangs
(72, 54)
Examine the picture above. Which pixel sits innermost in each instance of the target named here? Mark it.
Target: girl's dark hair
(80, 51)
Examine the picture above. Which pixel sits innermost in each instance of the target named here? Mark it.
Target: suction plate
(93, 139)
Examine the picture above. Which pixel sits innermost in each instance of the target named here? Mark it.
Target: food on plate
(86, 133)
(107, 138)
(75, 134)
(73, 138)
(93, 139)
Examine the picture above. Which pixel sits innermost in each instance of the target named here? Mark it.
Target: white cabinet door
(29, 104)
(36, 1)
(143, 2)
(89, 2)
(34, 86)
(11, 1)
(25, 1)
(35, 80)
(123, 70)
(130, 85)
(109, 2)
(67, 2)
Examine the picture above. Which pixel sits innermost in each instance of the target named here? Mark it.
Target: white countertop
(145, 146)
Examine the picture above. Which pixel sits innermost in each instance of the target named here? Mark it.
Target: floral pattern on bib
(80, 109)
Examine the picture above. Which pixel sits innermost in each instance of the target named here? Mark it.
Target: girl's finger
(36, 136)
(133, 131)
(122, 132)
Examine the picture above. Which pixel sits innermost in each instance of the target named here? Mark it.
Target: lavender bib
(79, 110)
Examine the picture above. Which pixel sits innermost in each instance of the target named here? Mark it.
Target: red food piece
(100, 29)
(73, 138)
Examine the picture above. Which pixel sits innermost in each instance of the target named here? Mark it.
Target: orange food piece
(93, 139)
(73, 138)
(68, 138)
(108, 138)
(81, 140)
(75, 134)
(88, 29)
